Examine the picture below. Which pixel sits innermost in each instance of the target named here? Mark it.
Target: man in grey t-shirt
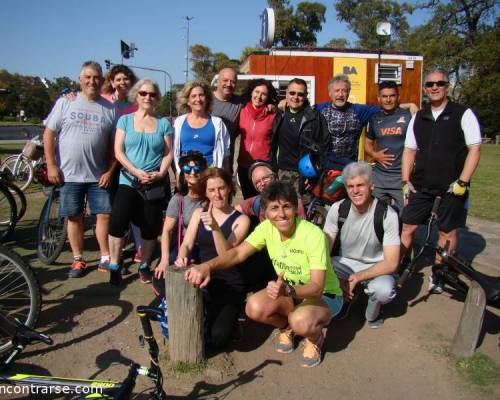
(227, 105)
(78, 143)
(385, 144)
(363, 259)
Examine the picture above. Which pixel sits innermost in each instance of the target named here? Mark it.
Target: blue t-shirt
(144, 150)
(199, 139)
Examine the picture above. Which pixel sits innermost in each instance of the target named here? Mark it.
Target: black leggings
(221, 318)
(129, 206)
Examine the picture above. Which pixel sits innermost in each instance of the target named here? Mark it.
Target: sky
(51, 38)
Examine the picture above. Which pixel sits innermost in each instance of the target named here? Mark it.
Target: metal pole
(188, 19)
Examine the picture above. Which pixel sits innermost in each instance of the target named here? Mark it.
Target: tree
(297, 27)
(362, 16)
(206, 64)
(337, 43)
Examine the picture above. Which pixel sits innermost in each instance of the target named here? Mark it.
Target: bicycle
(23, 166)
(7, 180)
(52, 229)
(22, 336)
(453, 269)
(19, 292)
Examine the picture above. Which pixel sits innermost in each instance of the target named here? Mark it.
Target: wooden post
(467, 334)
(497, 139)
(185, 318)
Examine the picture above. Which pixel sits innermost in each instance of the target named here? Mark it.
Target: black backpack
(378, 221)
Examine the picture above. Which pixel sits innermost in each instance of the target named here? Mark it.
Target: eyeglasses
(187, 169)
(299, 94)
(431, 84)
(144, 94)
(264, 179)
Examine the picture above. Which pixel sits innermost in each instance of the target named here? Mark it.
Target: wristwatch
(290, 291)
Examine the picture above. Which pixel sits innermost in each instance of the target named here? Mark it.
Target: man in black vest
(442, 151)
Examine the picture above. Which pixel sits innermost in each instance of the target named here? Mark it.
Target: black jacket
(314, 136)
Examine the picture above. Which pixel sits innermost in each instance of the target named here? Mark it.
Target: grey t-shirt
(389, 130)
(229, 111)
(188, 206)
(360, 248)
(85, 131)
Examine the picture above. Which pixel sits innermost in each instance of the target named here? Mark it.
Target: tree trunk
(185, 318)
(467, 334)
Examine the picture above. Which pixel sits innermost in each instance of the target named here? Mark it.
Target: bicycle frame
(89, 388)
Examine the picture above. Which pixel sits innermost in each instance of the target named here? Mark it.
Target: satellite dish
(267, 24)
(384, 28)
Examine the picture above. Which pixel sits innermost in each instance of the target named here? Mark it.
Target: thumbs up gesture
(276, 288)
(208, 219)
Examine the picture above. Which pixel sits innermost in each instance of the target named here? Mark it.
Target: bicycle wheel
(8, 212)
(19, 292)
(21, 169)
(51, 230)
(20, 198)
(450, 277)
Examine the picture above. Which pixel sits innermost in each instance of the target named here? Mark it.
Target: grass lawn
(485, 191)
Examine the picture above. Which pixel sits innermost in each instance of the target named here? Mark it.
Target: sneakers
(77, 269)
(435, 287)
(284, 341)
(138, 256)
(145, 275)
(103, 266)
(311, 355)
(377, 323)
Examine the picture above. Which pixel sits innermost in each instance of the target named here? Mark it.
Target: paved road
(19, 132)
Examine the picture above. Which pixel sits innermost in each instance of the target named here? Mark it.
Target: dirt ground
(95, 330)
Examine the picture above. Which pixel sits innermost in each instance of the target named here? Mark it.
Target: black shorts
(451, 210)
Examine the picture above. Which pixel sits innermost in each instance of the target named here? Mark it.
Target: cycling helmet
(259, 163)
(307, 168)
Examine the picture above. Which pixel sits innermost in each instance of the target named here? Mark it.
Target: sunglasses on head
(299, 94)
(144, 94)
(187, 169)
(430, 84)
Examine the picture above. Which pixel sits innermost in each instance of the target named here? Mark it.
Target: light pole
(165, 75)
(383, 30)
(188, 19)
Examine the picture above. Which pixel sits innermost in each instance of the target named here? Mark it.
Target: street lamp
(383, 31)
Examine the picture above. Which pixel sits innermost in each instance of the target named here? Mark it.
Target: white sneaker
(435, 287)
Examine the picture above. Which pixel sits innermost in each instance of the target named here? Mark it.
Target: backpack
(378, 221)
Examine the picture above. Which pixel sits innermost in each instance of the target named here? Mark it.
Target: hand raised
(276, 288)
(208, 219)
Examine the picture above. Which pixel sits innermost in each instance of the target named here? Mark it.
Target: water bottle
(164, 318)
(337, 183)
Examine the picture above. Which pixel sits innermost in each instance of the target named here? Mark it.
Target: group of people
(121, 166)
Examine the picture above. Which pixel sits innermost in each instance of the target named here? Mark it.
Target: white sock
(105, 258)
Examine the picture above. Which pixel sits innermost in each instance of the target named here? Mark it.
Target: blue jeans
(73, 198)
(334, 303)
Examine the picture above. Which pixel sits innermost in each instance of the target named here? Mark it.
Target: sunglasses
(299, 94)
(144, 94)
(187, 169)
(430, 84)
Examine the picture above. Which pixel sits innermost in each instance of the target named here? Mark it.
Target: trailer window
(389, 72)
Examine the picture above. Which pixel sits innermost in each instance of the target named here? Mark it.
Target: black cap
(192, 155)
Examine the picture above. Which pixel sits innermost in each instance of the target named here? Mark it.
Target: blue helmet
(307, 168)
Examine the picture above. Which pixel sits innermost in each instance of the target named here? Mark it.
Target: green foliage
(362, 16)
(167, 107)
(297, 27)
(337, 43)
(206, 64)
(188, 368)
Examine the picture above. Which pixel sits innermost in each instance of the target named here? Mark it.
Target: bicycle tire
(20, 168)
(19, 292)
(52, 230)
(8, 212)
(18, 194)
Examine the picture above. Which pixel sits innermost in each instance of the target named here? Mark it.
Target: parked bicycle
(23, 166)
(19, 292)
(22, 336)
(12, 205)
(453, 270)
